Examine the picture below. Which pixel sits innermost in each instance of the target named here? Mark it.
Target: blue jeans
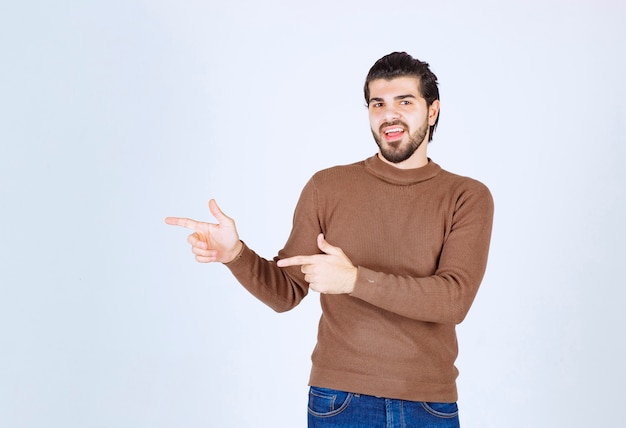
(329, 408)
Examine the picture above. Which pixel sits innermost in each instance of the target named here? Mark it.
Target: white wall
(114, 114)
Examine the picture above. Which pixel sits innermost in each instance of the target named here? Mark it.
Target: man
(396, 246)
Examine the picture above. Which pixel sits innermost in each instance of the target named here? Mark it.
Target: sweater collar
(391, 174)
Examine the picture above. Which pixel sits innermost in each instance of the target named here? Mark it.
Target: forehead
(406, 85)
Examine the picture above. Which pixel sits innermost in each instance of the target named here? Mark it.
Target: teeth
(389, 131)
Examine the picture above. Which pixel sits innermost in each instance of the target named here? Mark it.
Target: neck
(417, 160)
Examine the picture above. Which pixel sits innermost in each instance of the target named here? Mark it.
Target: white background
(115, 114)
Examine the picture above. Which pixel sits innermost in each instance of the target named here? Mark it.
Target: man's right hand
(211, 242)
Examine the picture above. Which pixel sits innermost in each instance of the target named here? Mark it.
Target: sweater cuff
(234, 261)
(366, 281)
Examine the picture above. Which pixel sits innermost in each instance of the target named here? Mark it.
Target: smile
(394, 131)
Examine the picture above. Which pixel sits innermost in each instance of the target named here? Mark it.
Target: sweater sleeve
(282, 288)
(446, 296)
(266, 281)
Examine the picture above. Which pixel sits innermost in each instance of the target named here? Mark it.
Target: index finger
(184, 222)
(295, 261)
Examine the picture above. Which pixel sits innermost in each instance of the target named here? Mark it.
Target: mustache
(393, 123)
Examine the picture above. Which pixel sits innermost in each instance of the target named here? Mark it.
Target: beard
(396, 151)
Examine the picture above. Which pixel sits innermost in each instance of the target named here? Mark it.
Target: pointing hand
(328, 273)
(211, 242)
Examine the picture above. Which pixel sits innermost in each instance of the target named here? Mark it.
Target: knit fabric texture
(420, 239)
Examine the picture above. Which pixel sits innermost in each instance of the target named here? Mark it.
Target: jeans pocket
(324, 402)
(441, 410)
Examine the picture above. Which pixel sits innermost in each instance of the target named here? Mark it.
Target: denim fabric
(329, 408)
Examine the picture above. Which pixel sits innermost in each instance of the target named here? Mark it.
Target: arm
(220, 243)
(443, 297)
(446, 296)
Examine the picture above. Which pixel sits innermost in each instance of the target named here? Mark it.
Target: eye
(376, 105)
(405, 102)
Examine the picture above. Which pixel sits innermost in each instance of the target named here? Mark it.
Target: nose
(391, 114)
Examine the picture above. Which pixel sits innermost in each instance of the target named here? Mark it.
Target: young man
(396, 246)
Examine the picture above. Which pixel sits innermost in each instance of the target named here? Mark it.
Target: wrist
(235, 253)
(352, 279)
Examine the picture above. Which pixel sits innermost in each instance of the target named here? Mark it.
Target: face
(400, 120)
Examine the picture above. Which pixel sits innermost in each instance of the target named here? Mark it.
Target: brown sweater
(420, 239)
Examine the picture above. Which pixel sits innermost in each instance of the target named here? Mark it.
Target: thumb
(323, 245)
(217, 212)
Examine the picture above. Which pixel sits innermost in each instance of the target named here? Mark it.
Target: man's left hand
(328, 273)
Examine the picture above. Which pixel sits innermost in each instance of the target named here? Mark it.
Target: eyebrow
(396, 98)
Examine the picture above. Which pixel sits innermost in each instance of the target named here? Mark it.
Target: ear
(433, 112)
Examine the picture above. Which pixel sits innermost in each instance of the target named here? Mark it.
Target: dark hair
(401, 64)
